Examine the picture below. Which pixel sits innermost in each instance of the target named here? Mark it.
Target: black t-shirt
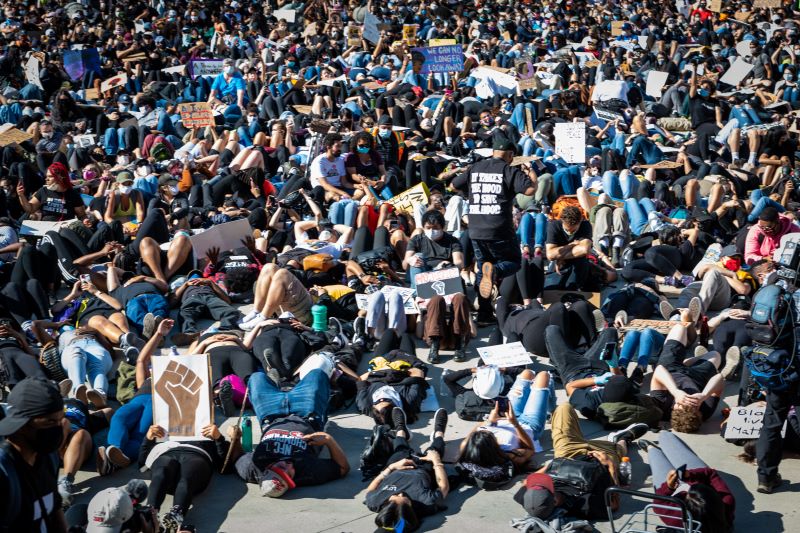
(57, 206)
(129, 292)
(36, 489)
(556, 234)
(418, 484)
(283, 440)
(434, 252)
(587, 401)
(195, 290)
(691, 380)
(702, 110)
(492, 185)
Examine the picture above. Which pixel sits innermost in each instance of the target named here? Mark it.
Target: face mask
(291, 64)
(47, 440)
(193, 19)
(123, 160)
(384, 134)
(788, 76)
(508, 107)
(123, 108)
(89, 175)
(433, 234)
(173, 189)
(47, 135)
(250, 120)
(703, 93)
(362, 149)
(70, 146)
(230, 70)
(124, 189)
(53, 187)
(143, 171)
(733, 264)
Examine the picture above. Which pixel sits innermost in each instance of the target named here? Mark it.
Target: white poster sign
(225, 236)
(289, 14)
(571, 141)
(655, 82)
(505, 355)
(745, 422)
(32, 68)
(738, 71)
(182, 395)
(371, 32)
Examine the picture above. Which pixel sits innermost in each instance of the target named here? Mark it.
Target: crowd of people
(393, 207)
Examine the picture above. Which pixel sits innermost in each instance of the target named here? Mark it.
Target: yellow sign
(441, 42)
(406, 200)
(410, 34)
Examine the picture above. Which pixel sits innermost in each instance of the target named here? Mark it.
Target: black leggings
(36, 263)
(391, 341)
(662, 259)
(183, 473)
(364, 241)
(227, 360)
(528, 282)
(20, 365)
(730, 333)
(282, 349)
(25, 299)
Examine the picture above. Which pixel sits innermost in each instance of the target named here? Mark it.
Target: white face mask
(433, 234)
(123, 160)
(173, 189)
(47, 135)
(143, 171)
(124, 189)
(230, 70)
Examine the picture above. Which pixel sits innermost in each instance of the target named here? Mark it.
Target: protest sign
(182, 395)
(445, 282)
(371, 32)
(715, 6)
(84, 141)
(196, 115)
(32, 68)
(738, 72)
(441, 58)
(526, 74)
(38, 228)
(492, 81)
(178, 69)
(410, 34)
(353, 36)
(79, 62)
(655, 82)
(284, 13)
(505, 355)
(767, 4)
(10, 135)
(571, 141)
(112, 83)
(407, 294)
(225, 236)
(406, 200)
(441, 42)
(205, 67)
(745, 422)
(661, 326)
(616, 27)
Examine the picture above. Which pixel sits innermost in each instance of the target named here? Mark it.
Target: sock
(734, 156)
(604, 244)
(752, 158)
(448, 140)
(619, 241)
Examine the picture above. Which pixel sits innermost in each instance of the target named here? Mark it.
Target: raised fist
(180, 388)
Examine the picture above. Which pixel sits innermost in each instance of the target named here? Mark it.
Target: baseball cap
(488, 383)
(503, 144)
(729, 251)
(124, 99)
(108, 510)
(166, 179)
(537, 495)
(275, 482)
(124, 176)
(31, 397)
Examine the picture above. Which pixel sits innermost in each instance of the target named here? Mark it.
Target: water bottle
(320, 315)
(174, 351)
(444, 390)
(247, 434)
(625, 472)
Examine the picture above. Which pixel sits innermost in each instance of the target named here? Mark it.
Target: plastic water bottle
(320, 315)
(174, 351)
(247, 434)
(444, 390)
(625, 472)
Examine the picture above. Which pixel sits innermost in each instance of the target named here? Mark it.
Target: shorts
(673, 353)
(297, 300)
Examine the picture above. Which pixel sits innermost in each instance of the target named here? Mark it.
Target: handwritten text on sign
(505, 355)
(196, 115)
(406, 200)
(441, 58)
(205, 67)
(571, 141)
(745, 422)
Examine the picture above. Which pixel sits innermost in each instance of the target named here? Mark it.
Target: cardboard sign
(91, 94)
(661, 326)
(441, 42)
(406, 200)
(445, 282)
(768, 4)
(738, 71)
(353, 36)
(38, 228)
(225, 236)
(715, 6)
(371, 32)
(745, 422)
(448, 58)
(505, 355)
(182, 395)
(205, 67)
(655, 82)
(571, 141)
(112, 83)
(32, 67)
(10, 135)
(526, 74)
(410, 34)
(178, 69)
(196, 115)
(616, 27)
(289, 14)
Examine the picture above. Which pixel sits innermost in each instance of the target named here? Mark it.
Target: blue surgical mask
(362, 149)
(703, 93)
(384, 134)
(229, 70)
(291, 64)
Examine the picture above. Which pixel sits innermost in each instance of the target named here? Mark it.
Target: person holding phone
(679, 472)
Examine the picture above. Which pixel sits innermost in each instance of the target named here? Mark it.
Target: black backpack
(471, 407)
(376, 454)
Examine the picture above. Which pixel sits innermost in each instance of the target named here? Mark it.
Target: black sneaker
(769, 486)
(637, 376)
(172, 520)
(485, 320)
(645, 445)
(399, 421)
(440, 420)
(616, 253)
(226, 399)
(360, 327)
(630, 433)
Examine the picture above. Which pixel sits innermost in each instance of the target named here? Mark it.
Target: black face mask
(47, 440)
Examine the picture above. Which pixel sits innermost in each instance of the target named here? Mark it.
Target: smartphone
(607, 354)
(86, 278)
(502, 403)
(681, 471)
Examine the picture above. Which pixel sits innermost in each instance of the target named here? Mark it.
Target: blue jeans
(759, 203)
(412, 274)
(309, 397)
(642, 344)
(532, 230)
(643, 148)
(504, 255)
(745, 114)
(567, 180)
(343, 212)
(129, 425)
(617, 187)
(517, 117)
(791, 94)
(138, 307)
(87, 357)
(618, 144)
(638, 212)
(671, 453)
(531, 405)
(246, 133)
(114, 140)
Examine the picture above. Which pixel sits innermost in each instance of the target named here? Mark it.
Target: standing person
(29, 458)
(491, 185)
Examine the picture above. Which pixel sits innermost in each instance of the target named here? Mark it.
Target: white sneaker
(251, 324)
(248, 317)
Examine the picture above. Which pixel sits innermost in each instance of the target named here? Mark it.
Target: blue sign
(448, 58)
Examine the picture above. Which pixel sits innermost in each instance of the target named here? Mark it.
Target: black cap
(730, 251)
(617, 389)
(167, 178)
(385, 120)
(31, 397)
(503, 144)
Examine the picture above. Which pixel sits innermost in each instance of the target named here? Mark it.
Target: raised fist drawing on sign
(180, 388)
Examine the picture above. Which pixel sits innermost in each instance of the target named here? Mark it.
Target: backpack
(621, 414)
(574, 476)
(374, 457)
(160, 151)
(469, 406)
(773, 369)
(771, 318)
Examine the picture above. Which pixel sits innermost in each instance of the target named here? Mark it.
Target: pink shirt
(759, 245)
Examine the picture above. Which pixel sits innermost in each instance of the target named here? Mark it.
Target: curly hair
(685, 420)
(571, 215)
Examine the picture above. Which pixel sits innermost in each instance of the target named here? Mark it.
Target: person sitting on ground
(569, 241)
(277, 291)
(764, 237)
